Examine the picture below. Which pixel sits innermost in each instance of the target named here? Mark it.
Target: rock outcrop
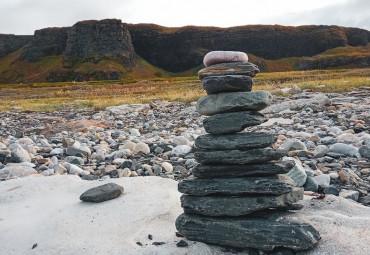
(10, 43)
(92, 41)
(46, 42)
(180, 49)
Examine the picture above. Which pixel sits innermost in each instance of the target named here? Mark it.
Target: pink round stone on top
(218, 57)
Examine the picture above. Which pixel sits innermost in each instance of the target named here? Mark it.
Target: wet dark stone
(227, 83)
(274, 185)
(102, 193)
(265, 231)
(239, 156)
(237, 205)
(224, 171)
(241, 141)
(227, 123)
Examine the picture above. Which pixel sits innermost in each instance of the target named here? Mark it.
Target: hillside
(112, 50)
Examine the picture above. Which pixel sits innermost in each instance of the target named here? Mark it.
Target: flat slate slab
(228, 123)
(273, 185)
(227, 171)
(102, 193)
(227, 83)
(234, 141)
(263, 232)
(234, 68)
(237, 206)
(233, 102)
(239, 156)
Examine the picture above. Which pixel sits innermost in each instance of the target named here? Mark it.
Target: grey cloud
(353, 13)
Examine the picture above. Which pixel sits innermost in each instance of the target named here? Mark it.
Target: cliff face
(46, 42)
(106, 49)
(92, 41)
(10, 43)
(180, 49)
(325, 63)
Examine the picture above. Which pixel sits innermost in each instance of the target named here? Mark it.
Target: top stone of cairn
(218, 57)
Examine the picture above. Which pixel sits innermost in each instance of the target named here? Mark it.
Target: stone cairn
(239, 196)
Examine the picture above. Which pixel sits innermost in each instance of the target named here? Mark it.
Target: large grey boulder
(227, 83)
(233, 102)
(273, 185)
(263, 232)
(236, 205)
(234, 141)
(227, 123)
(239, 156)
(227, 171)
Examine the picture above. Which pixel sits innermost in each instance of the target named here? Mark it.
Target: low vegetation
(100, 94)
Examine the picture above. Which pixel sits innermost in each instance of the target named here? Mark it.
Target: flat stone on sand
(233, 102)
(227, 83)
(217, 57)
(264, 232)
(228, 123)
(102, 193)
(234, 68)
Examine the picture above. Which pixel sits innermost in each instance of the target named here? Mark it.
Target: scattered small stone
(150, 237)
(158, 243)
(139, 243)
(182, 243)
(34, 245)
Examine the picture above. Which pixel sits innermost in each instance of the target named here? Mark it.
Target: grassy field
(100, 94)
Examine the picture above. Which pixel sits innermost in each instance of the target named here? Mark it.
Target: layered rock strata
(238, 197)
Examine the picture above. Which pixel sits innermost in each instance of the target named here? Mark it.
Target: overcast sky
(25, 16)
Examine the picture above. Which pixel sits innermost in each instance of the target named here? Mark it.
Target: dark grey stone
(226, 123)
(224, 171)
(264, 232)
(331, 189)
(90, 177)
(273, 185)
(311, 184)
(365, 151)
(102, 193)
(233, 102)
(234, 141)
(239, 156)
(236, 205)
(227, 83)
(233, 68)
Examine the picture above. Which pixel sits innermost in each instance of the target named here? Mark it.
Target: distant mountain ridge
(79, 52)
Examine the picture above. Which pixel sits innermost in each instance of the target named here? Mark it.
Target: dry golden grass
(100, 94)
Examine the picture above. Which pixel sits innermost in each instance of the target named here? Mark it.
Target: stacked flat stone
(239, 196)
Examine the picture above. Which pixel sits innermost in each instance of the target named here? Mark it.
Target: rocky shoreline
(326, 134)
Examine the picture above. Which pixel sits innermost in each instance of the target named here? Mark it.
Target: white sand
(47, 211)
